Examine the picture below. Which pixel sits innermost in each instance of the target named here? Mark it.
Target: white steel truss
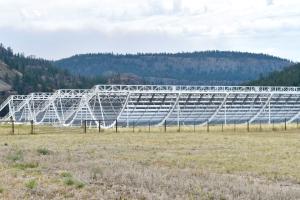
(155, 104)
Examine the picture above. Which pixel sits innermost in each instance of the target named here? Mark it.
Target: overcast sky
(60, 28)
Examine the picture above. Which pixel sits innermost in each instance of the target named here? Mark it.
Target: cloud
(221, 23)
(170, 15)
(270, 2)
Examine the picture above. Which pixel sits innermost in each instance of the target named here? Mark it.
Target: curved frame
(197, 103)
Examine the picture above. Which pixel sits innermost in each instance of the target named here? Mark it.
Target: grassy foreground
(240, 165)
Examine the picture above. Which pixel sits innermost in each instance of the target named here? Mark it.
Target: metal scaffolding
(155, 104)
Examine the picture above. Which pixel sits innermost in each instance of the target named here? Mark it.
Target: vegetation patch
(79, 184)
(28, 165)
(69, 180)
(43, 151)
(66, 174)
(31, 184)
(15, 156)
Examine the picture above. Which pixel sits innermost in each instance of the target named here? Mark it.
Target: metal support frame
(155, 104)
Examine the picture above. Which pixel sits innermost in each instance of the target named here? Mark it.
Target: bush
(69, 180)
(43, 151)
(24, 166)
(66, 174)
(79, 184)
(15, 156)
(32, 184)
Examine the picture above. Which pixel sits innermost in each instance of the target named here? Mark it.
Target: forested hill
(287, 77)
(27, 74)
(201, 68)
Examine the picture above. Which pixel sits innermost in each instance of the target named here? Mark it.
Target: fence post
(207, 126)
(99, 128)
(179, 126)
(222, 127)
(273, 125)
(12, 126)
(260, 128)
(84, 128)
(248, 128)
(234, 126)
(297, 123)
(116, 125)
(149, 127)
(194, 126)
(285, 124)
(165, 126)
(133, 125)
(31, 122)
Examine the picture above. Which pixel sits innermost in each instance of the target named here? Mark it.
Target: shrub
(24, 166)
(79, 184)
(1, 190)
(66, 174)
(43, 151)
(15, 156)
(32, 184)
(69, 181)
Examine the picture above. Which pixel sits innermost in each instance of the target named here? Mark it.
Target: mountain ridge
(196, 68)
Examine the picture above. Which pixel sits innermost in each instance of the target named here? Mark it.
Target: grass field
(156, 165)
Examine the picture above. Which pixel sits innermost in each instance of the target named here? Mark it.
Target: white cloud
(270, 2)
(178, 20)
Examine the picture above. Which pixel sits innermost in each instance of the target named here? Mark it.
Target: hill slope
(6, 74)
(27, 74)
(202, 68)
(288, 77)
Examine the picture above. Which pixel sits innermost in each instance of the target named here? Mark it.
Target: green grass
(28, 165)
(31, 184)
(66, 175)
(15, 156)
(79, 184)
(69, 180)
(43, 151)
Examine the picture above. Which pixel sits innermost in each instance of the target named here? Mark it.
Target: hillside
(28, 74)
(6, 74)
(287, 77)
(201, 68)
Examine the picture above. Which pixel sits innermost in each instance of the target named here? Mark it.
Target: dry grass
(156, 165)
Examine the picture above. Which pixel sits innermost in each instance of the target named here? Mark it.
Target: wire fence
(96, 126)
(29, 128)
